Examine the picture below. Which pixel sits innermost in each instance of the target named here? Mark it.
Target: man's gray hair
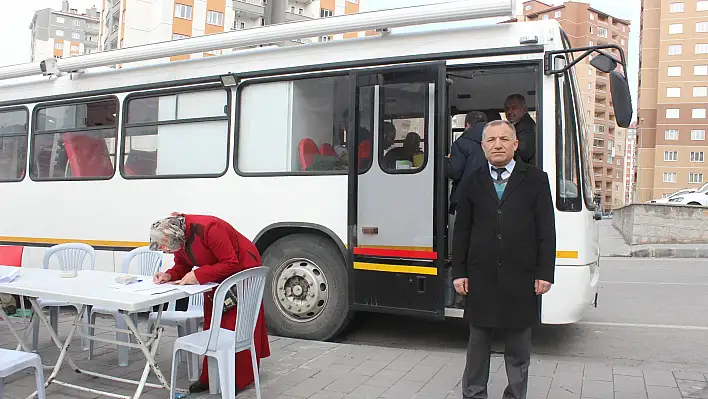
(500, 122)
(474, 117)
(517, 97)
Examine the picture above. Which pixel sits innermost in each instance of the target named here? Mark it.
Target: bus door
(395, 245)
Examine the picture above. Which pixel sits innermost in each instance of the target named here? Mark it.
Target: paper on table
(144, 287)
(8, 278)
(194, 289)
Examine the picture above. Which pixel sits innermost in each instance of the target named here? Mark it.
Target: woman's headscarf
(169, 232)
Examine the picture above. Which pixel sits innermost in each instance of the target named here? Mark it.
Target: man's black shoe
(198, 387)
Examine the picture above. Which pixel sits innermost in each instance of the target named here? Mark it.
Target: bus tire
(306, 293)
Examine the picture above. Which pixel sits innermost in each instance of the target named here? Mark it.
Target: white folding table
(91, 288)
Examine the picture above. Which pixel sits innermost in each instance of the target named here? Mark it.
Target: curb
(664, 252)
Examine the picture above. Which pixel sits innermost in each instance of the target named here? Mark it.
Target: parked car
(666, 199)
(699, 197)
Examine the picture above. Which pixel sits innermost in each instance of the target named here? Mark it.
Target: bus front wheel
(306, 293)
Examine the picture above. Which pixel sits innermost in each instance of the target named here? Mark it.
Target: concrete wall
(662, 224)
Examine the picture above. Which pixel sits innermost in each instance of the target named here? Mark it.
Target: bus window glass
(365, 124)
(183, 134)
(13, 145)
(402, 139)
(74, 141)
(567, 161)
(294, 126)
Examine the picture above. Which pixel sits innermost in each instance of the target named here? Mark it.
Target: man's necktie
(499, 172)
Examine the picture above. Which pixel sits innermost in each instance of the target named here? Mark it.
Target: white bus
(264, 138)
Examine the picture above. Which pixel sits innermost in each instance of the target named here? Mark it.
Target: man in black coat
(517, 113)
(466, 154)
(503, 259)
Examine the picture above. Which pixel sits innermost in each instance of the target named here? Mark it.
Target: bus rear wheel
(306, 294)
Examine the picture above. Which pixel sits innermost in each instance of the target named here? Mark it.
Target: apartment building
(587, 26)
(63, 33)
(673, 97)
(128, 23)
(630, 164)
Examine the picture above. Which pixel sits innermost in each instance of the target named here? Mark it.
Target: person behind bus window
(219, 251)
(410, 151)
(517, 113)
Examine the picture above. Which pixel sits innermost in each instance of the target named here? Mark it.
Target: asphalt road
(652, 312)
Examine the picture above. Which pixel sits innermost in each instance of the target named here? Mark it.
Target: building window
(618, 162)
(673, 92)
(326, 13)
(77, 23)
(183, 134)
(13, 144)
(177, 36)
(592, 16)
(695, 178)
(558, 14)
(698, 134)
(701, 27)
(675, 49)
(669, 177)
(545, 17)
(622, 42)
(617, 188)
(75, 48)
(599, 128)
(674, 71)
(672, 113)
(698, 113)
(602, 32)
(671, 134)
(591, 30)
(60, 20)
(676, 7)
(675, 29)
(696, 156)
(76, 35)
(700, 91)
(702, 5)
(670, 156)
(183, 11)
(59, 32)
(700, 70)
(59, 45)
(702, 48)
(215, 18)
(74, 141)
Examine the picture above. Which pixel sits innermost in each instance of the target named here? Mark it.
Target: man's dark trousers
(517, 356)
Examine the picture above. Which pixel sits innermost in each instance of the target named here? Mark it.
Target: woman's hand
(188, 278)
(161, 277)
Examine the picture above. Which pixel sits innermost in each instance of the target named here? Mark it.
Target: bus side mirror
(621, 99)
(604, 63)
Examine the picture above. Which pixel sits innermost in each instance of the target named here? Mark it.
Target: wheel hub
(300, 290)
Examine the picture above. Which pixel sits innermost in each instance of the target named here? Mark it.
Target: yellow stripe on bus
(567, 254)
(380, 267)
(95, 243)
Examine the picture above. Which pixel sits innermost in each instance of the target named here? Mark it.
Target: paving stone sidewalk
(317, 370)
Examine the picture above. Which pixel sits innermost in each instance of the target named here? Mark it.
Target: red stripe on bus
(396, 253)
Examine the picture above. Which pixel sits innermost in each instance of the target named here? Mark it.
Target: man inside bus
(466, 154)
(517, 113)
(503, 259)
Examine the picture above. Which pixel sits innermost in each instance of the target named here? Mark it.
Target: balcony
(293, 17)
(249, 8)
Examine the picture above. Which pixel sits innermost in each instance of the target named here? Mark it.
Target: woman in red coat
(219, 251)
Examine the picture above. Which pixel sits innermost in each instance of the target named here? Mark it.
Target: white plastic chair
(187, 323)
(12, 361)
(220, 344)
(148, 263)
(71, 257)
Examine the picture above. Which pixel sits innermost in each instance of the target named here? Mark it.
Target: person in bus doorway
(219, 251)
(503, 259)
(466, 154)
(517, 113)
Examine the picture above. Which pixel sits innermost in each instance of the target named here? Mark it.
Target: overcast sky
(16, 24)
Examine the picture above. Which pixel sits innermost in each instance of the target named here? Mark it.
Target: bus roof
(463, 42)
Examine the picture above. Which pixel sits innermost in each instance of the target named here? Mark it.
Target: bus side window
(13, 144)
(403, 138)
(567, 159)
(76, 140)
